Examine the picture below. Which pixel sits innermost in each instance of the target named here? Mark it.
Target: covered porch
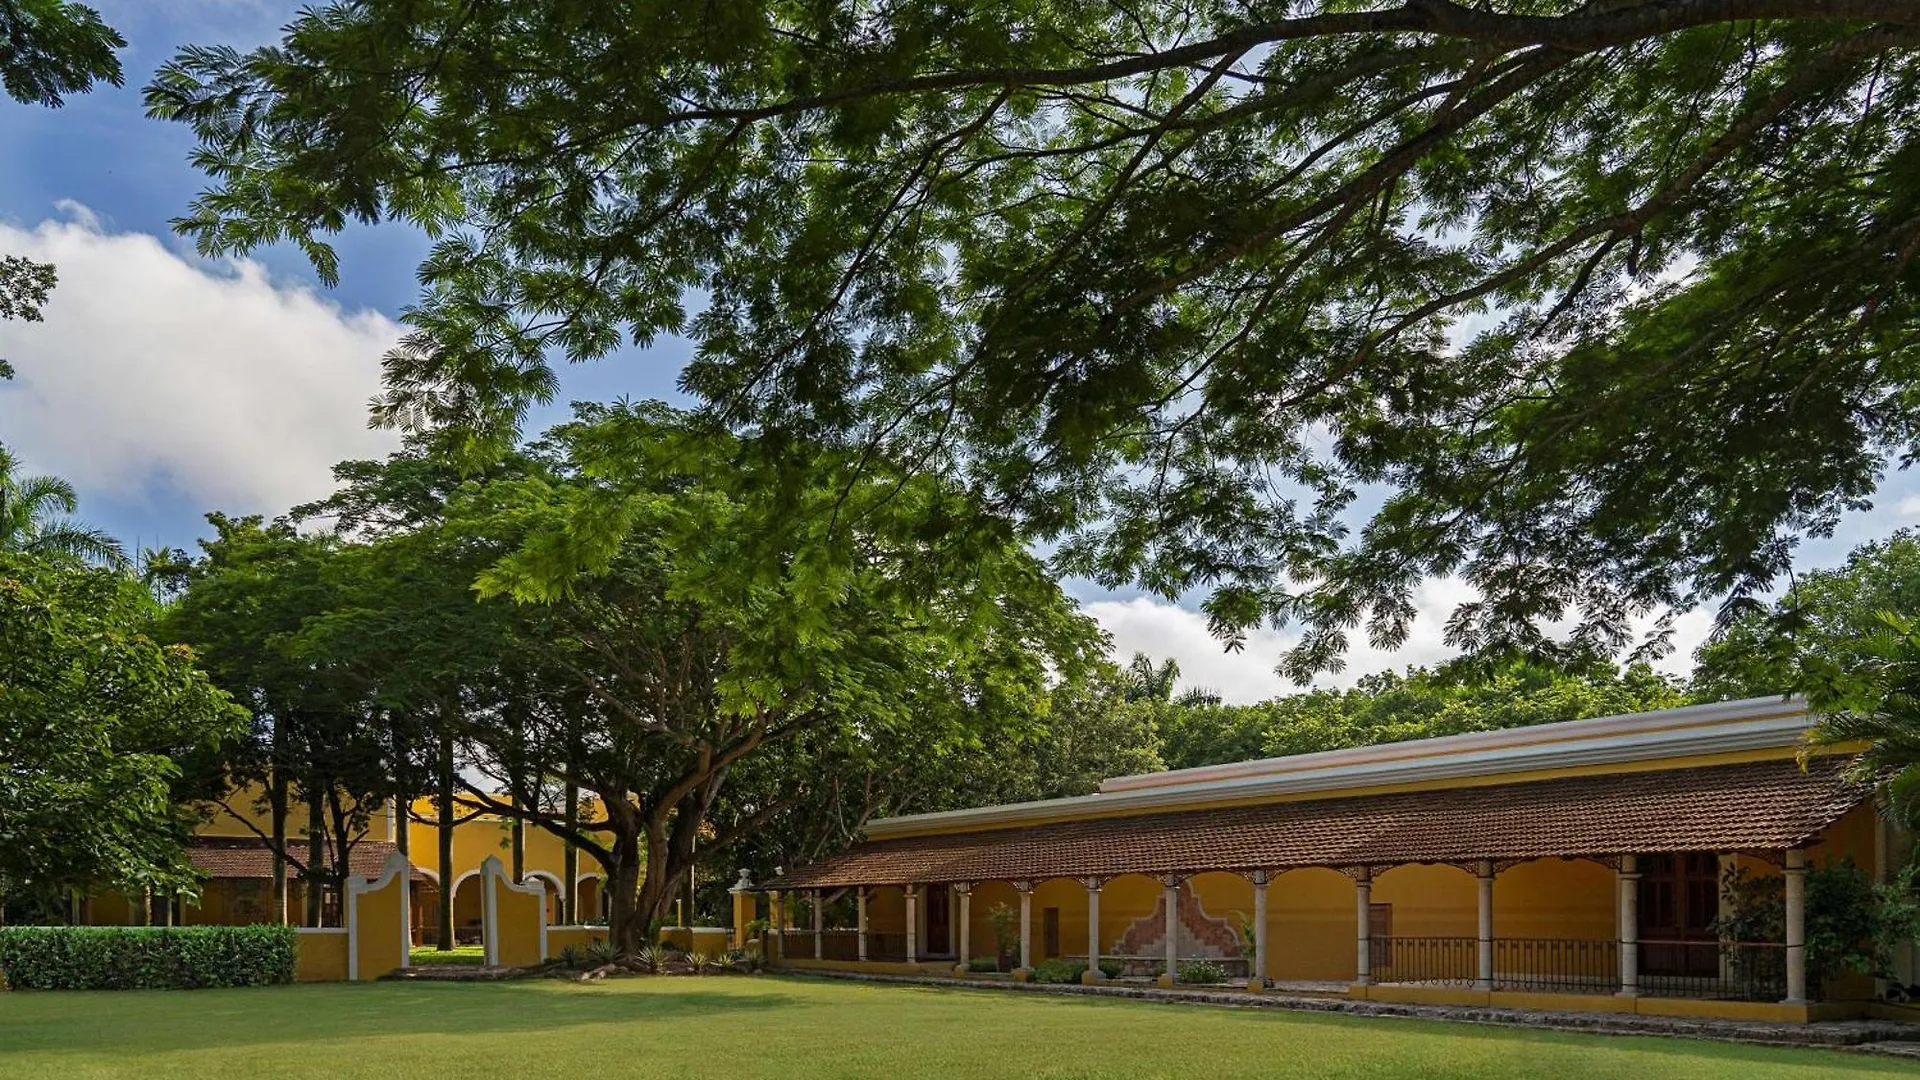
(1599, 893)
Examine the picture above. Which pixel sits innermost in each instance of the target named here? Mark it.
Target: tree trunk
(570, 863)
(446, 842)
(277, 806)
(402, 817)
(316, 851)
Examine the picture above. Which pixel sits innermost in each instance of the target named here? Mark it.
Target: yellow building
(1574, 865)
(237, 866)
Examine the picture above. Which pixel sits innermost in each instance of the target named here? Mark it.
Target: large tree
(652, 613)
(93, 713)
(1598, 306)
(249, 606)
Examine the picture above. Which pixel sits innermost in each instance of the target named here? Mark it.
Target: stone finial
(745, 884)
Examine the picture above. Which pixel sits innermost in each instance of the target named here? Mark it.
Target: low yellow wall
(519, 928)
(320, 956)
(564, 937)
(700, 940)
(379, 921)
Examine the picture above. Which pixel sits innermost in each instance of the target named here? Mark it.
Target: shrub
(573, 958)
(1060, 970)
(983, 963)
(651, 959)
(1201, 972)
(601, 952)
(745, 961)
(145, 958)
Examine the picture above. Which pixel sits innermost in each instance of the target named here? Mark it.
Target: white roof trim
(1721, 727)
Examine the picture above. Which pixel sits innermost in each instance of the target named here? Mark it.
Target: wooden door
(1679, 901)
(939, 921)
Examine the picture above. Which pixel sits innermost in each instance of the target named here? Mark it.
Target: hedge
(145, 958)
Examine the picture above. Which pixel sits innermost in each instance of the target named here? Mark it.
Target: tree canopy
(93, 713)
(1599, 308)
(35, 518)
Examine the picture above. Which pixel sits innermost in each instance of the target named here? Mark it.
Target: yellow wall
(379, 915)
(244, 807)
(522, 926)
(321, 956)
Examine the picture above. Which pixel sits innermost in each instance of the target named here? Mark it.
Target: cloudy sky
(165, 386)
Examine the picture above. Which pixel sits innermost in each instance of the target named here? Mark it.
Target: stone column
(777, 911)
(1025, 889)
(1092, 974)
(913, 924)
(744, 905)
(1723, 911)
(1363, 905)
(1170, 897)
(1796, 875)
(819, 928)
(965, 892)
(860, 918)
(1258, 976)
(1484, 879)
(1629, 907)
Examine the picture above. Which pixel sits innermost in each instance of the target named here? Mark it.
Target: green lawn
(738, 1028)
(459, 954)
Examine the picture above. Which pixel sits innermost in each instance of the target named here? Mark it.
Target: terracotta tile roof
(1759, 806)
(246, 857)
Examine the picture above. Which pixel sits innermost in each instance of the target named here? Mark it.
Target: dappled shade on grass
(739, 1028)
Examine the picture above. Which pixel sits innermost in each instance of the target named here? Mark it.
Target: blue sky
(165, 386)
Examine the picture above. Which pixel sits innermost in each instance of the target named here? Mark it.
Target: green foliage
(983, 963)
(463, 955)
(573, 957)
(1393, 708)
(601, 952)
(1063, 970)
(1852, 923)
(744, 961)
(55, 47)
(652, 959)
(1595, 308)
(1059, 970)
(1004, 921)
(1201, 973)
(34, 518)
(145, 958)
(93, 714)
(1243, 929)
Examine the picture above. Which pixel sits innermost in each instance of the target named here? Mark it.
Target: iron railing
(1727, 970)
(1737, 971)
(1430, 961)
(1556, 965)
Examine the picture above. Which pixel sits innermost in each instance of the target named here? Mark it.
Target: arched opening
(993, 933)
(423, 906)
(468, 909)
(1311, 928)
(555, 895)
(590, 901)
(1424, 926)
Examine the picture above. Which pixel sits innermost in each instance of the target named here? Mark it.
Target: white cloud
(1163, 630)
(153, 371)
(1908, 507)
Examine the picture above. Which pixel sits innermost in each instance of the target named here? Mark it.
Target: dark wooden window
(1049, 933)
(939, 921)
(1380, 934)
(1679, 901)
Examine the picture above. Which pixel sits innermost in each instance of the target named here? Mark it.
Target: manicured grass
(740, 1028)
(461, 954)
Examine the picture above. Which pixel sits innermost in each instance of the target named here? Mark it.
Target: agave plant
(651, 959)
(1876, 702)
